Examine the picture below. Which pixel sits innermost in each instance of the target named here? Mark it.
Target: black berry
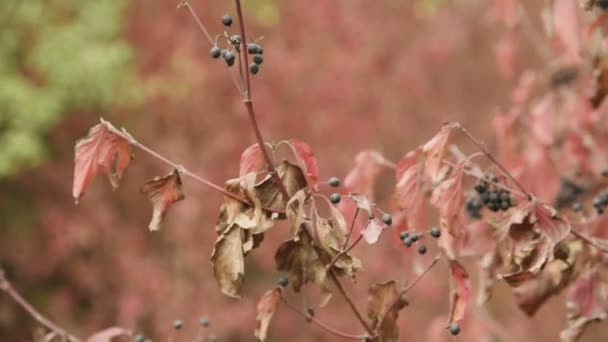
(414, 238)
(252, 48)
(204, 322)
(260, 50)
(421, 249)
(215, 52)
(335, 198)
(254, 68)
(235, 39)
(605, 173)
(454, 328)
(403, 235)
(435, 232)
(178, 324)
(387, 219)
(334, 181)
(258, 59)
(283, 281)
(481, 187)
(407, 241)
(226, 20)
(230, 58)
(139, 338)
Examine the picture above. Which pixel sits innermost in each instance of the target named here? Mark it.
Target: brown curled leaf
(162, 192)
(266, 308)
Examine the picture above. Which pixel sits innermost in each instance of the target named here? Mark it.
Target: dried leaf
(112, 334)
(409, 180)
(267, 306)
(372, 231)
(162, 192)
(293, 180)
(100, 150)
(228, 262)
(363, 203)
(449, 199)
(362, 177)
(551, 224)
(383, 306)
(295, 212)
(252, 160)
(301, 261)
(433, 152)
(487, 273)
(460, 292)
(307, 161)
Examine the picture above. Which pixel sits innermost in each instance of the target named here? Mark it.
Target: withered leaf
(267, 306)
(296, 212)
(162, 192)
(433, 152)
(383, 306)
(329, 241)
(293, 180)
(301, 261)
(448, 198)
(460, 292)
(307, 161)
(373, 229)
(252, 160)
(101, 150)
(363, 203)
(228, 261)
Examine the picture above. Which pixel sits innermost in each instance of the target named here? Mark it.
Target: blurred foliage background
(343, 75)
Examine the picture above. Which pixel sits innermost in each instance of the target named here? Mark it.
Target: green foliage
(58, 57)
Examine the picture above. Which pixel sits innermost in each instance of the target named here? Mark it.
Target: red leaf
(551, 224)
(588, 296)
(100, 150)
(372, 231)
(448, 198)
(460, 292)
(307, 162)
(361, 178)
(567, 26)
(163, 192)
(542, 116)
(252, 160)
(108, 335)
(267, 306)
(433, 152)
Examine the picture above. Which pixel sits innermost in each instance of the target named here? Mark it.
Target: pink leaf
(307, 161)
(108, 335)
(448, 198)
(361, 178)
(433, 152)
(372, 231)
(567, 25)
(551, 224)
(252, 160)
(409, 180)
(542, 116)
(461, 291)
(267, 306)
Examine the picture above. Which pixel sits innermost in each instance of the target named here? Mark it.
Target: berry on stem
(258, 59)
(215, 52)
(204, 322)
(139, 338)
(454, 328)
(335, 198)
(227, 20)
(254, 68)
(403, 235)
(253, 48)
(435, 232)
(387, 219)
(178, 324)
(334, 182)
(421, 249)
(283, 281)
(230, 58)
(408, 241)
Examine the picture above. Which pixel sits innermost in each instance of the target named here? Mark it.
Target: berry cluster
(492, 197)
(229, 54)
(600, 202)
(568, 192)
(409, 239)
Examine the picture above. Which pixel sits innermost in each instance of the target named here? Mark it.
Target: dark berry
(139, 338)
(260, 50)
(481, 187)
(258, 59)
(403, 235)
(215, 52)
(335, 198)
(577, 206)
(387, 219)
(230, 58)
(283, 281)
(254, 68)
(605, 173)
(178, 324)
(421, 249)
(504, 205)
(435, 232)
(493, 197)
(235, 39)
(252, 48)
(334, 181)
(485, 198)
(204, 322)
(226, 20)
(408, 241)
(415, 237)
(454, 328)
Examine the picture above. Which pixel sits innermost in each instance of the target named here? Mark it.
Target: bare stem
(350, 302)
(7, 287)
(245, 58)
(488, 155)
(589, 240)
(320, 324)
(345, 249)
(123, 134)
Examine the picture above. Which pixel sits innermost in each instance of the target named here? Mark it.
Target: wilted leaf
(295, 212)
(487, 273)
(162, 192)
(329, 241)
(409, 180)
(551, 224)
(293, 180)
(100, 150)
(112, 334)
(433, 152)
(363, 203)
(267, 306)
(252, 160)
(301, 261)
(228, 261)
(362, 177)
(383, 306)
(307, 161)
(372, 231)
(448, 198)
(460, 292)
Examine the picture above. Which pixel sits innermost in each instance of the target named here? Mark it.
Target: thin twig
(7, 287)
(488, 155)
(345, 249)
(320, 324)
(350, 302)
(589, 240)
(123, 134)
(410, 286)
(243, 51)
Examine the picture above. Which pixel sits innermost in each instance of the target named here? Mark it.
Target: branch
(590, 240)
(320, 324)
(7, 287)
(345, 249)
